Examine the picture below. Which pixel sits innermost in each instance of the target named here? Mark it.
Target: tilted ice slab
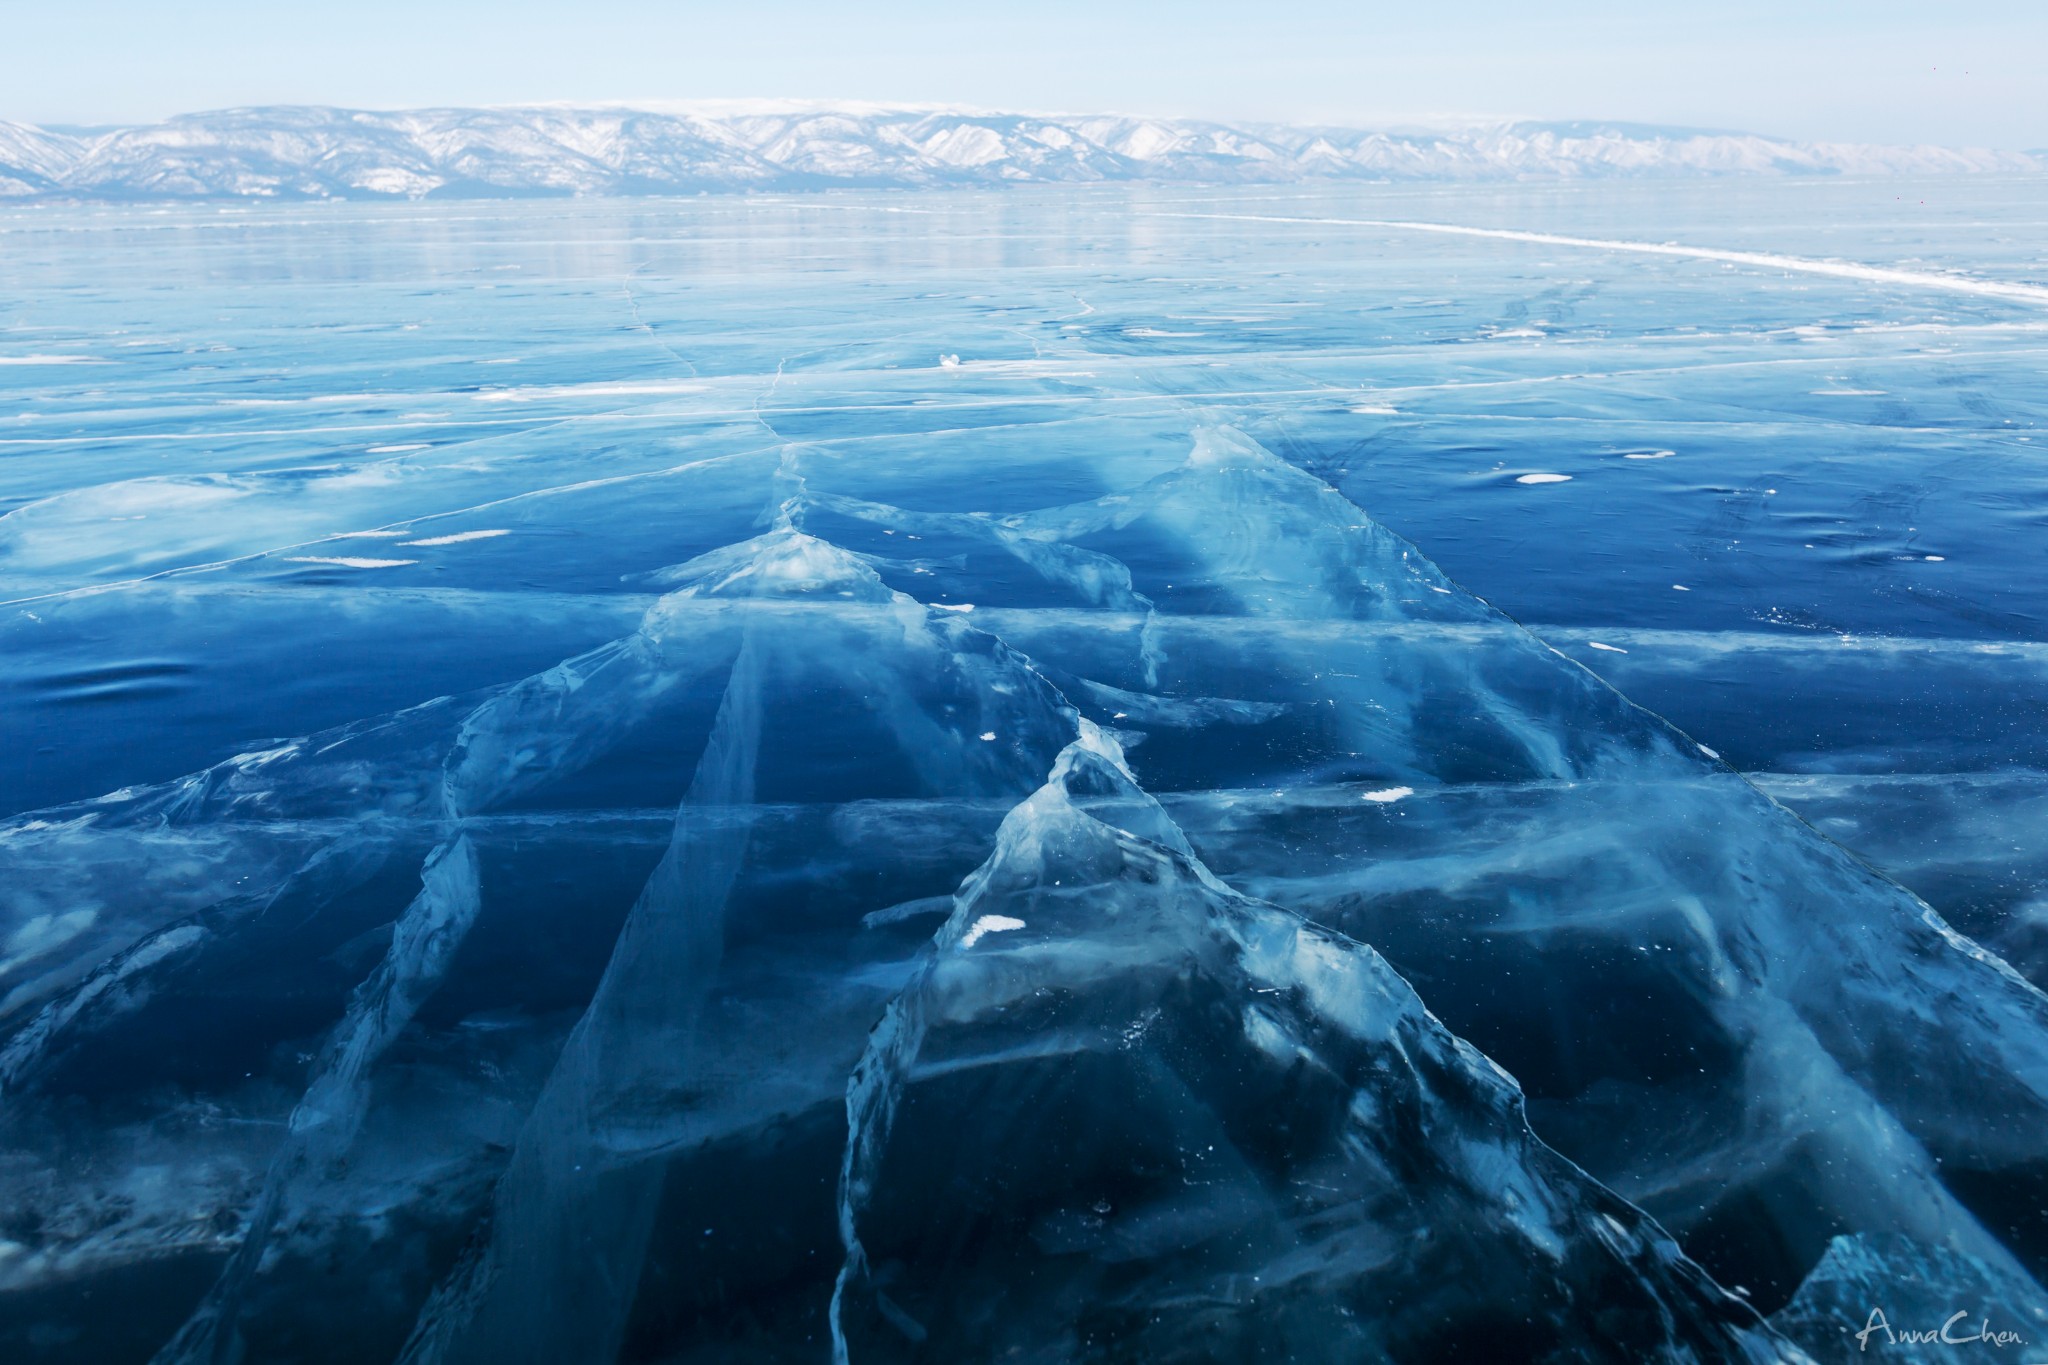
(1124, 1112)
(126, 913)
(1550, 921)
(1726, 1016)
(702, 1027)
(324, 1124)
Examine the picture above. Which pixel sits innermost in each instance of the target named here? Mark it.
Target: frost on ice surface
(870, 859)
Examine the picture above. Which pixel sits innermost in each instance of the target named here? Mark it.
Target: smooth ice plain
(1076, 774)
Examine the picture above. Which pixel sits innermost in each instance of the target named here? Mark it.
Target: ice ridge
(1401, 945)
(1322, 1160)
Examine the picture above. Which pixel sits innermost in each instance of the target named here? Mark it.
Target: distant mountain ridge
(314, 152)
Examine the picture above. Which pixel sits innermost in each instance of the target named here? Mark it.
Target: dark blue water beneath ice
(498, 700)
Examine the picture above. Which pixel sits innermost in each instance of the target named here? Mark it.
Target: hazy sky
(1962, 71)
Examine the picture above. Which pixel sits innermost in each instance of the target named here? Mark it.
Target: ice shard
(1124, 1112)
(711, 1026)
(326, 1120)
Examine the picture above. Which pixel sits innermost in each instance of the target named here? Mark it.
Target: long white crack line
(1847, 270)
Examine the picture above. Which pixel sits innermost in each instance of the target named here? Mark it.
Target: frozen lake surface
(1081, 774)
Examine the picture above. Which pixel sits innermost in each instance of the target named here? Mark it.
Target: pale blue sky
(1965, 71)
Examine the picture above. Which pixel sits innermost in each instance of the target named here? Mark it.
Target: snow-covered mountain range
(307, 152)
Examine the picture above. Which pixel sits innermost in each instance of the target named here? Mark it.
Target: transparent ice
(1020, 776)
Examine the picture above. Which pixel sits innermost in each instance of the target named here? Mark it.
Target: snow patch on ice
(458, 537)
(988, 924)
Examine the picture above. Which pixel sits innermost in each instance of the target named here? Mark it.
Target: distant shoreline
(312, 153)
